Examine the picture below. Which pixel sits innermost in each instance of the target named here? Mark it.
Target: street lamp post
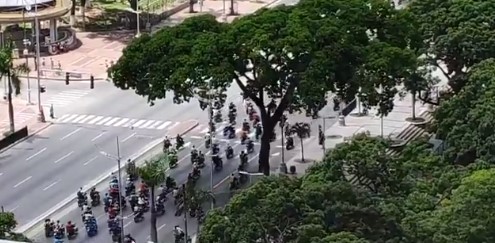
(283, 166)
(26, 43)
(138, 27)
(118, 159)
(41, 116)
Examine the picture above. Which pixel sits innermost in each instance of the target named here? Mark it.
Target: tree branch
(246, 91)
(284, 102)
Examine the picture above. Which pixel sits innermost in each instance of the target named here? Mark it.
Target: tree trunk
(153, 230)
(413, 105)
(264, 159)
(191, 6)
(72, 18)
(232, 12)
(83, 14)
(11, 106)
(302, 148)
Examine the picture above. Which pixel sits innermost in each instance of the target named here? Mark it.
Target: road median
(154, 148)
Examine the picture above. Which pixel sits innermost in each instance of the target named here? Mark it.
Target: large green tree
(7, 226)
(295, 55)
(456, 33)
(465, 121)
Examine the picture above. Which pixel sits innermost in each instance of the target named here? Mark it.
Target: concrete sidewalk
(395, 127)
(215, 8)
(24, 115)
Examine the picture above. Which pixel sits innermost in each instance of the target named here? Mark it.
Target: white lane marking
(13, 209)
(206, 130)
(195, 137)
(275, 154)
(103, 121)
(138, 123)
(164, 125)
(112, 121)
(127, 224)
(63, 157)
(70, 134)
(173, 126)
(95, 120)
(87, 119)
(1, 174)
(99, 136)
(121, 122)
(37, 153)
(51, 185)
(20, 183)
(279, 146)
(78, 119)
(66, 118)
(161, 227)
(146, 124)
(129, 137)
(153, 126)
(89, 161)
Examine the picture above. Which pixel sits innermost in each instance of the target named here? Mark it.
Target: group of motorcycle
(171, 151)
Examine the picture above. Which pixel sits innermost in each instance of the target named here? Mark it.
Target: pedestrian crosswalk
(116, 121)
(66, 97)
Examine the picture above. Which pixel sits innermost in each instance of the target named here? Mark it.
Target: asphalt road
(45, 169)
(165, 223)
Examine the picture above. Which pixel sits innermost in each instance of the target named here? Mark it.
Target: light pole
(324, 118)
(138, 27)
(118, 159)
(283, 166)
(27, 43)
(41, 116)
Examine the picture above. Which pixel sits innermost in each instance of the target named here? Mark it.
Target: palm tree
(195, 198)
(153, 174)
(302, 130)
(11, 72)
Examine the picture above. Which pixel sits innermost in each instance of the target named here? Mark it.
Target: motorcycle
(138, 217)
(173, 160)
(95, 199)
(72, 233)
(250, 147)
(207, 142)
(218, 117)
(229, 152)
(218, 163)
(160, 209)
(216, 148)
(289, 144)
(232, 117)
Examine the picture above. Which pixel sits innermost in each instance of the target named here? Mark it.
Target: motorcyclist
(234, 181)
(207, 140)
(166, 143)
(194, 152)
(321, 135)
(129, 239)
(201, 159)
(229, 151)
(87, 214)
(217, 161)
(196, 172)
(178, 233)
(81, 197)
(94, 195)
(245, 126)
(232, 107)
(249, 145)
(70, 228)
(258, 131)
(179, 140)
(244, 158)
(215, 148)
(290, 143)
(170, 183)
(129, 187)
(218, 115)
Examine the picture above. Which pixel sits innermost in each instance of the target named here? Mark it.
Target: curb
(138, 157)
(28, 136)
(63, 79)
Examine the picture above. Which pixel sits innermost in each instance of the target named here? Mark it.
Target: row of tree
(361, 193)
(295, 55)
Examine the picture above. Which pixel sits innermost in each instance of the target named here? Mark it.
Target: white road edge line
(128, 224)
(70, 134)
(64, 157)
(51, 185)
(13, 209)
(37, 153)
(20, 183)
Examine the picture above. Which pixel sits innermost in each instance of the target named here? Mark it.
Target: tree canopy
(7, 226)
(360, 193)
(295, 55)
